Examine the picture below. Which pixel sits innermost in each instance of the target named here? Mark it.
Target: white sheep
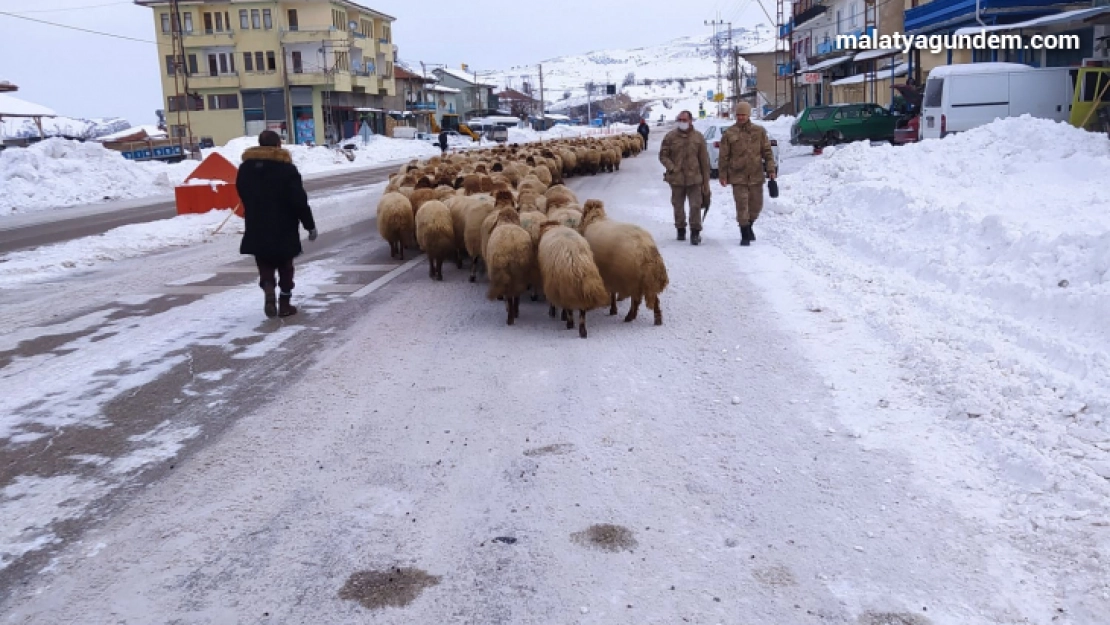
(435, 234)
(570, 277)
(510, 258)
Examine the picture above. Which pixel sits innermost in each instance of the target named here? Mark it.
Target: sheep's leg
(431, 268)
(581, 323)
(401, 249)
(392, 249)
(612, 303)
(509, 310)
(439, 269)
(635, 309)
(516, 307)
(535, 296)
(658, 312)
(551, 311)
(458, 259)
(474, 269)
(570, 318)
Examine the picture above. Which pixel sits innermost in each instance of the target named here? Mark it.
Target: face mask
(683, 125)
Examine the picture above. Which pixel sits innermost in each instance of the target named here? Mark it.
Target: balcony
(806, 10)
(313, 35)
(222, 81)
(368, 82)
(420, 106)
(941, 15)
(201, 39)
(338, 81)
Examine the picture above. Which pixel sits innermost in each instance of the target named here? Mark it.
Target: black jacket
(643, 130)
(274, 204)
(443, 139)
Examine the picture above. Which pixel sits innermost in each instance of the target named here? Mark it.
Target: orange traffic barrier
(201, 198)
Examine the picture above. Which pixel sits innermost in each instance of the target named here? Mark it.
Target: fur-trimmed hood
(267, 153)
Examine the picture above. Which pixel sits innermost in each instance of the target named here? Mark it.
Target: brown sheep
(559, 196)
(475, 217)
(435, 234)
(570, 277)
(627, 258)
(510, 258)
(396, 223)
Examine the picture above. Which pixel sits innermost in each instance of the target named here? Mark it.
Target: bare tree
(629, 80)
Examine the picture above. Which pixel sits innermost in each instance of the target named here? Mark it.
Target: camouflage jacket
(686, 158)
(745, 154)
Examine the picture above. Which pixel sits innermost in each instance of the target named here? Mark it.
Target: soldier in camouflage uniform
(745, 159)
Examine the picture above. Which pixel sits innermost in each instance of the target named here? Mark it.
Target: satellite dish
(353, 25)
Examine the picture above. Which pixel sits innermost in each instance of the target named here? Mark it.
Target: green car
(841, 123)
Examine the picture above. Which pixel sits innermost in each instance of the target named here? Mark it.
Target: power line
(84, 30)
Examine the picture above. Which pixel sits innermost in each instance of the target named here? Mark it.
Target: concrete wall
(764, 63)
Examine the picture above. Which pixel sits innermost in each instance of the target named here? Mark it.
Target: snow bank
(116, 244)
(984, 260)
(62, 172)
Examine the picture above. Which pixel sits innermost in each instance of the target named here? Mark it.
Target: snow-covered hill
(668, 77)
(68, 127)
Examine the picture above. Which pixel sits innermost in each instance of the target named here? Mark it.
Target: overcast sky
(88, 75)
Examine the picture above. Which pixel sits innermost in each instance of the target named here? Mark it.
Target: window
(366, 27)
(177, 131)
(386, 32)
(208, 23)
(171, 68)
(267, 19)
(244, 23)
(271, 62)
(176, 103)
(819, 114)
(223, 102)
(934, 92)
(341, 61)
(165, 22)
(193, 64)
(293, 24)
(256, 20)
(259, 64)
(188, 22)
(220, 22)
(298, 67)
(248, 62)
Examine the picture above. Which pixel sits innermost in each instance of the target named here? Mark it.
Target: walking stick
(220, 227)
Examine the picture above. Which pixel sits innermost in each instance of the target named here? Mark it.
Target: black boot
(682, 234)
(286, 309)
(270, 306)
(745, 235)
(751, 231)
(695, 237)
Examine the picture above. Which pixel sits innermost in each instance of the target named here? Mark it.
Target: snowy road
(175, 457)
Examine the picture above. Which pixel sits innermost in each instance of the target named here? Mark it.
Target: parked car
(842, 123)
(712, 130)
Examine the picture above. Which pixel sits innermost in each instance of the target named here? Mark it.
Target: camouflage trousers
(749, 202)
(679, 197)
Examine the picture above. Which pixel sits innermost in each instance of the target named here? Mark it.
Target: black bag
(706, 198)
(773, 188)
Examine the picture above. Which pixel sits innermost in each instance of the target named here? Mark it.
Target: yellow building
(309, 69)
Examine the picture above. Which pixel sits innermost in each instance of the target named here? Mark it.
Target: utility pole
(717, 52)
(543, 113)
(180, 72)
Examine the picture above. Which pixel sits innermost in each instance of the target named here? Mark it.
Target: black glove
(312, 234)
(773, 188)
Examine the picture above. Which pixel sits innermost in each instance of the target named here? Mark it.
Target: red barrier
(201, 198)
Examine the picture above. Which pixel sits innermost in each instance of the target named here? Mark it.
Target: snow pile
(984, 259)
(116, 244)
(63, 172)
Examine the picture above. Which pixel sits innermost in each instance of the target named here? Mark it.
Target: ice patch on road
(167, 441)
(31, 504)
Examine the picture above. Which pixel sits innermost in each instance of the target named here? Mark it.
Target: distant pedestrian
(275, 205)
(443, 141)
(745, 161)
(686, 159)
(644, 131)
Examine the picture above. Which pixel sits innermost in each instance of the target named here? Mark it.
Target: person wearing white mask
(685, 157)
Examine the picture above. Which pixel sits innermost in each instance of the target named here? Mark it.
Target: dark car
(842, 123)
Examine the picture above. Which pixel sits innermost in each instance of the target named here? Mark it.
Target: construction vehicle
(451, 122)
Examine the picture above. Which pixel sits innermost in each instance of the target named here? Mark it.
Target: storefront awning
(827, 63)
(1067, 18)
(881, 53)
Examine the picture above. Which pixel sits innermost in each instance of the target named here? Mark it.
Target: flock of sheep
(508, 209)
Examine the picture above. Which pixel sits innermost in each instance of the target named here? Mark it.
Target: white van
(962, 97)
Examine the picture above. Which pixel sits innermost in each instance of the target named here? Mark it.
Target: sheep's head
(594, 210)
(498, 167)
(546, 226)
(507, 216)
(425, 183)
(504, 199)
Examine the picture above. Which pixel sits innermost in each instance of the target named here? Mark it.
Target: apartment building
(311, 70)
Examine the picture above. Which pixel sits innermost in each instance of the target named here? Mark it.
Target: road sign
(811, 78)
(709, 95)
(720, 97)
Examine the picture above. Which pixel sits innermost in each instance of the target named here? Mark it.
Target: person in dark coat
(275, 205)
(443, 141)
(643, 130)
